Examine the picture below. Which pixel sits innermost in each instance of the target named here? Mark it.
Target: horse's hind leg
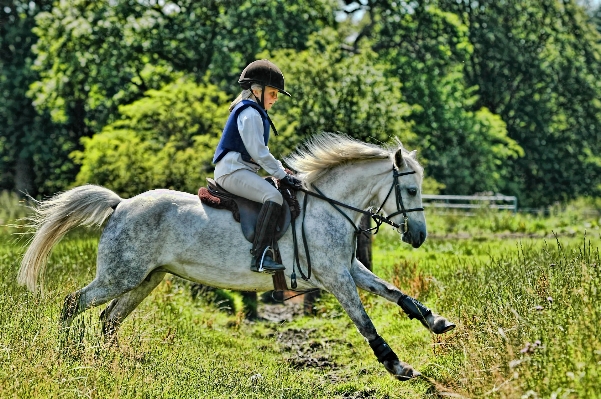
(99, 291)
(107, 285)
(368, 281)
(121, 307)
(94, 294)
(342, 286)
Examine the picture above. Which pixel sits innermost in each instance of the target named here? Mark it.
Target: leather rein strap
(379, 219)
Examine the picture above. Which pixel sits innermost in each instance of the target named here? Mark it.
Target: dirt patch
(278, 313)
(305, 350)
(367, 393)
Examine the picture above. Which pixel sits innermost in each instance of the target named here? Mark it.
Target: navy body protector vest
(231, 140)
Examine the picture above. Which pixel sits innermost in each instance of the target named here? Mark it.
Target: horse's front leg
(368, 281)
(342, 286)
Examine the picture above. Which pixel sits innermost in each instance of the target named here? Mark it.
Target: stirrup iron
(261, 269)
(258, 266)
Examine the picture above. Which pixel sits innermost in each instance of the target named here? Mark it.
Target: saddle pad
(219, 203)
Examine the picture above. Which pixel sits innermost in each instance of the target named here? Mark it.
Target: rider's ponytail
(245, 95)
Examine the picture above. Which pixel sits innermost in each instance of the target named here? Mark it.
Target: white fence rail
(470, 201)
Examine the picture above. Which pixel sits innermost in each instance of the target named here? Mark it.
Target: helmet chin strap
(262, 104)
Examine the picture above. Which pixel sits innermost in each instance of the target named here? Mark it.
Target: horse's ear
(399, 161)
(413, 154)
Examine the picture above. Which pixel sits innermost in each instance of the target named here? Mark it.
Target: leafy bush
(165, 140)
(335, 92)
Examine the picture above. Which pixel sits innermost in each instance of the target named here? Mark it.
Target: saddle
(245, 211)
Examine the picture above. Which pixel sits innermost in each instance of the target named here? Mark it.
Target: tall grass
(566, 219)
(12, 207)
(527, 313)
(174, 346)
(528, 323)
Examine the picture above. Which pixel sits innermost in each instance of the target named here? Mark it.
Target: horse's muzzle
(416, 240)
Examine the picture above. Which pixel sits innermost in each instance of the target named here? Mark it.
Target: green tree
(32, 147)
(164, 140)
(108, 53)
(93, 57)
(338, 92)
(536, 64)
(466, 145)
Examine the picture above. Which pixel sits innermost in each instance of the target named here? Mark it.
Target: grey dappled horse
(164, 231)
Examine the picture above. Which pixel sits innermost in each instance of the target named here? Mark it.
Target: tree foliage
(499, 96)
(164, 140)
(467, 147)
(31, 146)
(93, 57)
(334, 91)
(107, 53)
(537, 65)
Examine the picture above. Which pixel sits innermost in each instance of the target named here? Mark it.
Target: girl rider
(243, 150)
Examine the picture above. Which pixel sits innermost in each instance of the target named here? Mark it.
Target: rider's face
(271, 96)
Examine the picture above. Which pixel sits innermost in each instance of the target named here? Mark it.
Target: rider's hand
(292, 182)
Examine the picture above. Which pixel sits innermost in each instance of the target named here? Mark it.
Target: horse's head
(401, 198)
(398, 195)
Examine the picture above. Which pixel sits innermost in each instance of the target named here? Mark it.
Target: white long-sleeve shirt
(250, 126)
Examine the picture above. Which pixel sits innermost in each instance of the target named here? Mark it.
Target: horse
(164, 231)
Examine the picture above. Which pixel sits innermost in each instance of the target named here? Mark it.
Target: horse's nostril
(422, 236)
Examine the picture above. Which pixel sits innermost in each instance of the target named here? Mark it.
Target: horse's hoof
(439, 325)
(401, 370)
(413, 375)
(442, 325)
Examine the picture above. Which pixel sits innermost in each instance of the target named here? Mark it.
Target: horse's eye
(412, 191)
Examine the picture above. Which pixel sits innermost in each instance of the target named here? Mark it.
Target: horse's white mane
(327, 150)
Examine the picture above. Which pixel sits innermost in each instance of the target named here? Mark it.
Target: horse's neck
(355, 184)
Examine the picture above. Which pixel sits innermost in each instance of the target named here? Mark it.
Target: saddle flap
(249, 211)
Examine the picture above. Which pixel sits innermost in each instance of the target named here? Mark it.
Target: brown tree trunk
(24, 177)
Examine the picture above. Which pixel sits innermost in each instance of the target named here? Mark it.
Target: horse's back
(175, 230)
(168, 214)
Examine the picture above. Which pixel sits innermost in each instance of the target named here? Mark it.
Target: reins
(378, 219)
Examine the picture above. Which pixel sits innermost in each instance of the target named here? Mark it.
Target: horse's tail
(85, 205)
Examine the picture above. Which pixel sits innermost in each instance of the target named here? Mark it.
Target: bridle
(377, 217)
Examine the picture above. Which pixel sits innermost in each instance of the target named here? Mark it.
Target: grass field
(527, 307)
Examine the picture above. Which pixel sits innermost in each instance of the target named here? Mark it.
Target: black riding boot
(264, 232)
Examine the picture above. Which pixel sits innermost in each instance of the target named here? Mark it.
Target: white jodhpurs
(250, 185)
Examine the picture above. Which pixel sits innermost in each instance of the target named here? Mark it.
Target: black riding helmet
(264, 73)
